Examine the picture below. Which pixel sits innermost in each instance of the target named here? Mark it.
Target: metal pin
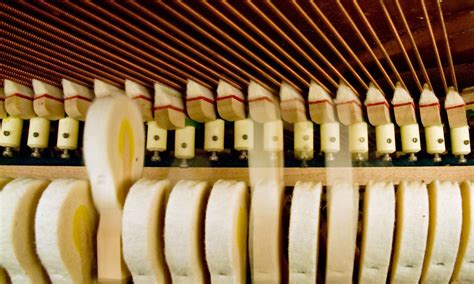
(330, 44)
(233, 41)
(435, 47)
(344, 43)
(188, 38)
(448, 48)
(379, 43)
(255, 42)
(413, 43)
(156, 156)
(288, 39)
(366, 44)
(224, 46)
(193, 73)
(75, 43)
(311, 46)
(400, 44)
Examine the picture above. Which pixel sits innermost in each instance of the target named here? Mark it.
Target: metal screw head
(36, 134)
(332, 139)
(361, 139)
(6, 133)
(389, 140)
(466, 142)
(414, 140)
(440, 140)
(245, 137)
(184, 145)
(215, 138)
(156, 137)
(306, 138)
(65, 135)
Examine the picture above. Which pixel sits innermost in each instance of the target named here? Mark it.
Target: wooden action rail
(360, 176)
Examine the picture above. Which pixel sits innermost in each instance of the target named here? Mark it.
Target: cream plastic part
(329, 135)
(411, 232)
(114, 155)
(184, 232)
(444, 231)
(65, 230)
(342, 212)
(434, 136)
(385, 138)
(214, 135)
(226, 232)
(103, 89)
(68, 132)
(142, 98)
(377, 233)
(156, 138)
(303, 237)
(10, 135)
(273, 136)
(243, 135)
(460, 140)
(18, 100)
(410, 136)
(358, 138)
(38, 133)
(184, 142)
(18, 257)
(265, 229)
(464, 268)
(142, 231)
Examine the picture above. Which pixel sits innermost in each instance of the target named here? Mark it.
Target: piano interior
(250, 141)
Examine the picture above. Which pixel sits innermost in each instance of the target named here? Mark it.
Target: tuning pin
(243, 155)
(156, 156)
